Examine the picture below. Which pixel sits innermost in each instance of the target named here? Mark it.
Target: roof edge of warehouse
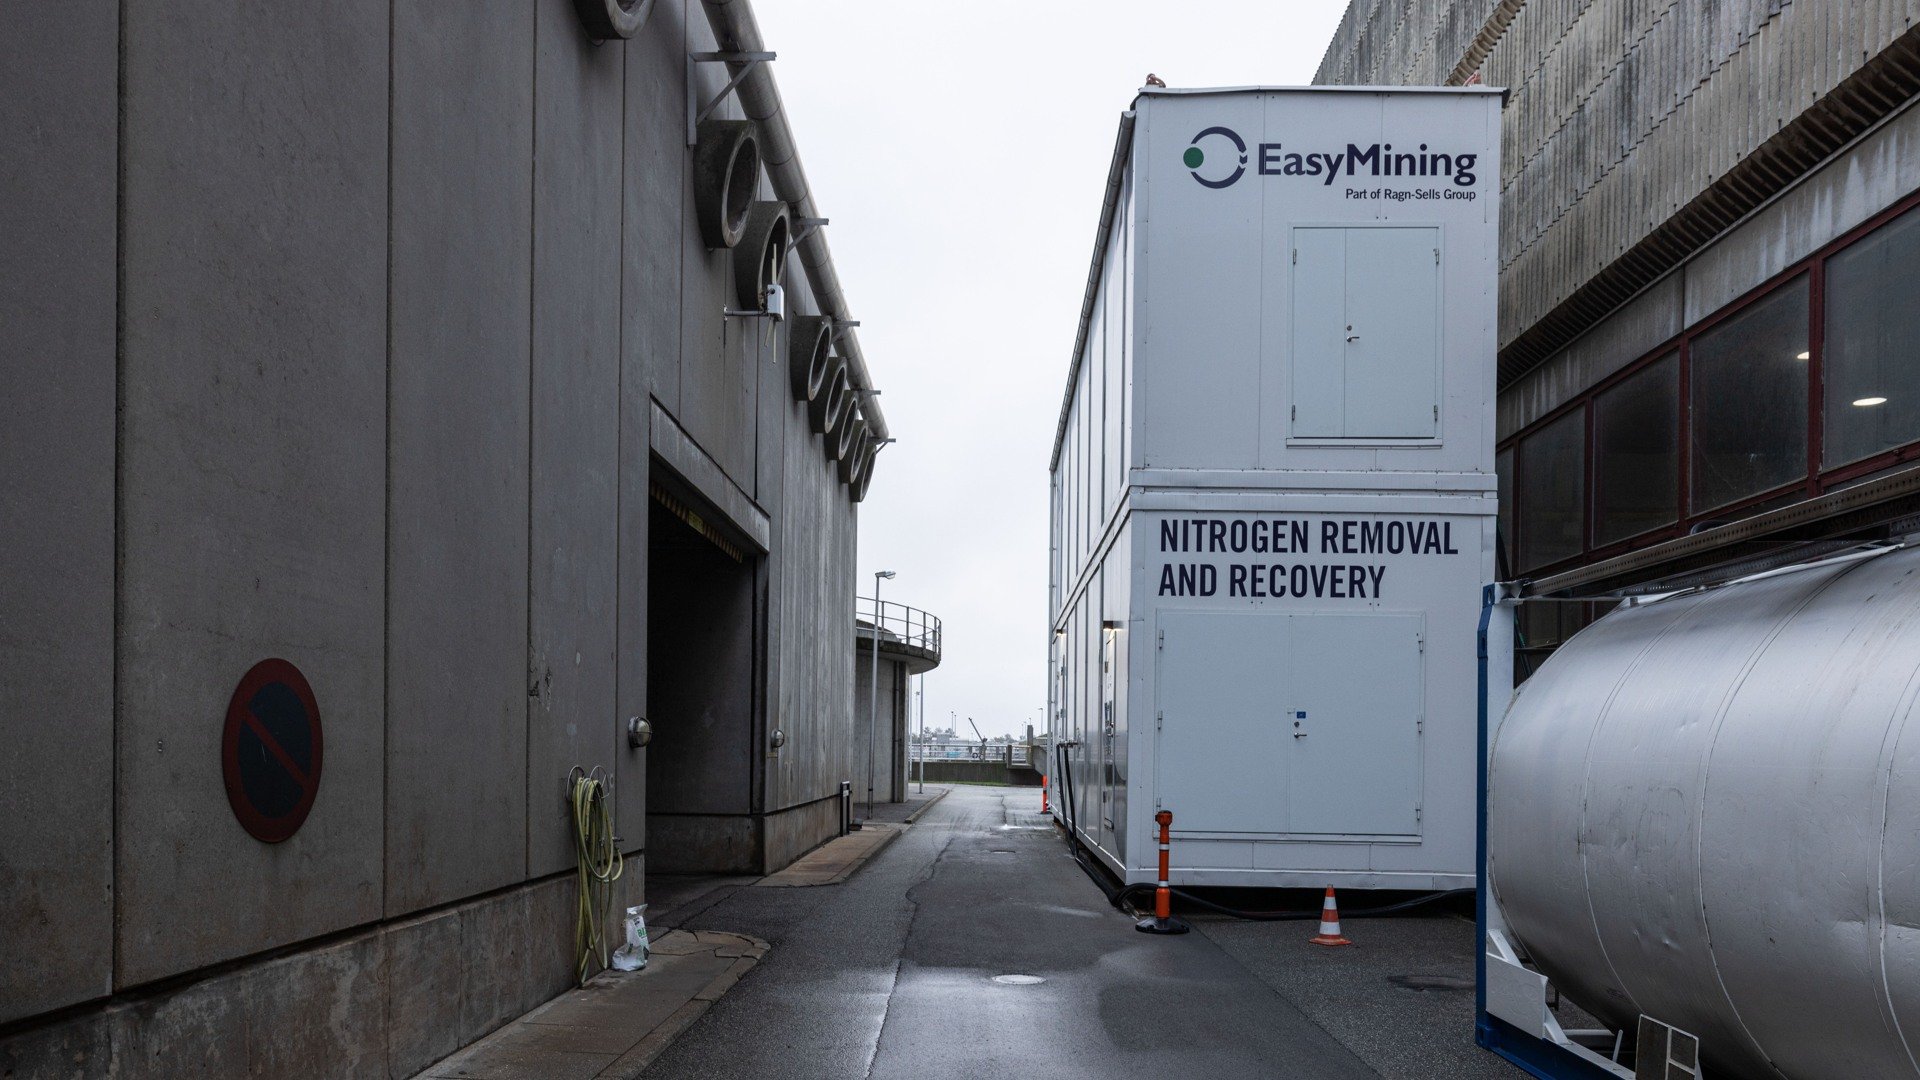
(1178, 91)
(1109, 205)
(735, 29)
(1110, 202)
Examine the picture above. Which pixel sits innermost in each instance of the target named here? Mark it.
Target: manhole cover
(1425, 983)
(1018, 980)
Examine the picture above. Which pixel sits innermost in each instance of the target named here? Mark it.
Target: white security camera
(776, 302)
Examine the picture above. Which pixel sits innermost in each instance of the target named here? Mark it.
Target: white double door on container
(1365, 345)
(1301, 724)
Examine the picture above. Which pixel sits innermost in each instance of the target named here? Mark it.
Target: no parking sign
(270, 750)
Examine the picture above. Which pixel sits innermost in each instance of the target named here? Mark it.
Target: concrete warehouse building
(397, 423)
(1708, 246)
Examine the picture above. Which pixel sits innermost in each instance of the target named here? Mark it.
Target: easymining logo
(1210, 152)
(1195, 157)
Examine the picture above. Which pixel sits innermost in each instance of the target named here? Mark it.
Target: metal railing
(969, 750)
(899, 624)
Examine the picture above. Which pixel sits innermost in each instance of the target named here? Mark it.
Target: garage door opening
(703, 656)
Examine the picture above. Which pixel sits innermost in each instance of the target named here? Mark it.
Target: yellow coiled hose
(599, 864)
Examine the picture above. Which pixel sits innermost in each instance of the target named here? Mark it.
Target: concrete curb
(836, 860)
(591, 1021)
(635, 1061)
(928, 805)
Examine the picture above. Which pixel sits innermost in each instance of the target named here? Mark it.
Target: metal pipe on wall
(736, 30)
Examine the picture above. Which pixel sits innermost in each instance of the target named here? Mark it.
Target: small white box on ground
(1273, 491)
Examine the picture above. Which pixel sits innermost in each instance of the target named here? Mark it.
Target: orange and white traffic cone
(1329, 924)
(1043, 796)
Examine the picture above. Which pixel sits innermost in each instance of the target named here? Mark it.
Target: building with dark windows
(1709, 347)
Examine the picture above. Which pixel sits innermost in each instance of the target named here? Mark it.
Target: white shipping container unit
(1273, 489)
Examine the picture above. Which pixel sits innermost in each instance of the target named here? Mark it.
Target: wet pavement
(899, 972)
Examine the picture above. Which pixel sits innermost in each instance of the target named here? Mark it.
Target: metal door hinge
(1160, 639)
(1296, 256)
(1436, 256)
(1159, 721)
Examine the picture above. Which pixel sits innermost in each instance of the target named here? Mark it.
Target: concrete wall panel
(717, 384)
(458, 671)
(252, 460)
(654, 185)
(389, 1001)
(792, 833)
(316, 1013)
(1880, 170)
(58, 121)
(571, 716)
(459, 973)
(810, 632)
(658, 187)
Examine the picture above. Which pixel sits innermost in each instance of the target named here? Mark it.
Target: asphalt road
(893, 974)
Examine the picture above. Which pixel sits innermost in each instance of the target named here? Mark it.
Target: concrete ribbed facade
(1635, 130)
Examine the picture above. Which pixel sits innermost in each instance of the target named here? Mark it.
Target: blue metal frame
(1538, 1058)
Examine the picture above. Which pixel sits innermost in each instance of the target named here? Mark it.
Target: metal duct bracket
(841, 326)
(747, 61)
(808, 226)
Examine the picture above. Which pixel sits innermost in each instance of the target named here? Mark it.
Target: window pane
(1543, 627)
(1503, 468)
(1636, 443)
(1750, 400)
(1872, 356)
(1552, 488)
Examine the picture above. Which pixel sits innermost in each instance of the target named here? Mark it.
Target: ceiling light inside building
(1804, 356)
(1866, 401)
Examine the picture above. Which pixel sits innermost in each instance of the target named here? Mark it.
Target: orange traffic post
(1044, 808)
(1162, 920)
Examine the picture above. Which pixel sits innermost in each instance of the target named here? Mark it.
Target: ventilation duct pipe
(726, 168)
(1705, 809)
(850, 461)
(809, 350)
(863, 469)
(844, 440)
(735, 30)
(823, 408)
(761, 254)
(839, 419)
(609, 19)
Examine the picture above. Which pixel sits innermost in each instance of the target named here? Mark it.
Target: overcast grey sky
(960, 150)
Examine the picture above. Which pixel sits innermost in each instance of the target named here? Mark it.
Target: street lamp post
(873, 688)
